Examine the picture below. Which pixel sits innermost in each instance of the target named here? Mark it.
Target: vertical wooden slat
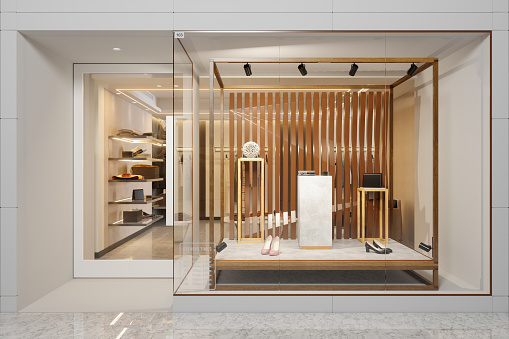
(239, 155)
(316, 131)
(369, 162)
(378, 202)
(254, 173)
(384, 138)
(211, 154)
(221, 180)
(301, 131)
(339, 167)
(346, 145)
(309, 140)
(262, 150)
(247, 172)
(332, 159)
(355, 172)
(332, 113)
(277, 156)
(362, 154)
(384, 149)
(286, 152)
(435, 170)
(231, 163)
(391, 149)
(323, 123)
(293, 157)
(270, 157)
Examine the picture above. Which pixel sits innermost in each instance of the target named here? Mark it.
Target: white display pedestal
(314, 207)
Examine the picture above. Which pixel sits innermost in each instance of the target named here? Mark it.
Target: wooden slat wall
(285, 176)
(339, 167)
(384, 145)
(298, 140)
(332, 160)
(378, 113)
(301, 131)
(362, 136)
(323, 123)
(270, 158)
(369, 162)
(355, 172)
(248, 170)
(231, 127)
(293, 163)
(277, 169)
(316, 140)
(239, 146)
(262, 141)
(254, 173)
(346, 145)
(309, 140)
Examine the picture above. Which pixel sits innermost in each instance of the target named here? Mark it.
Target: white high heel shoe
(266, 246)
(274, 249)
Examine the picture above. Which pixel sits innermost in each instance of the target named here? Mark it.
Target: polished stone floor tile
(256, 325)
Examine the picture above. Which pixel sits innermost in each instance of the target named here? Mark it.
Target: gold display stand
(361, 214)
(239, 202)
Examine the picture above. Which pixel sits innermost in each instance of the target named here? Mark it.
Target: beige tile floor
(154, 244)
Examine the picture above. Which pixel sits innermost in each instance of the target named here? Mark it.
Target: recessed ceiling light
(159, 86)
(117, 49)
(175, 85)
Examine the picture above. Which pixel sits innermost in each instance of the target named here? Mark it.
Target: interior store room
(424, 228)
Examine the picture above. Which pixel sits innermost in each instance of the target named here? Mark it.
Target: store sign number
(179, 35)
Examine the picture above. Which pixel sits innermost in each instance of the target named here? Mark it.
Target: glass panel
(188, 250)
(125, 166)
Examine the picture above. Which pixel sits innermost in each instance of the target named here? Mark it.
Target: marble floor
(254, 325)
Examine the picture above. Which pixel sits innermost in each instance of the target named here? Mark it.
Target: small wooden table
(239, 202)
(361, 214)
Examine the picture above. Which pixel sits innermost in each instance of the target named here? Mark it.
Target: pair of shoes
(271, 247)
(380, 246)
(379, 250)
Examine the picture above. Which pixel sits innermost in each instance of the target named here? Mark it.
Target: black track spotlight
(353, 69)
(302, 69)
(247, 69)
(411, 70)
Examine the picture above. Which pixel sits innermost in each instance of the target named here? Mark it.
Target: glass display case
(325, 163)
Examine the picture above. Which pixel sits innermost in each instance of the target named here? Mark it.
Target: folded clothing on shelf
(129, 132)
(127, 176)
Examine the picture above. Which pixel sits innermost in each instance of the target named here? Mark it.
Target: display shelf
(146, 222)
(157, 207)
(129, 201)
(142, 139)
(130, 180)
(136, 159)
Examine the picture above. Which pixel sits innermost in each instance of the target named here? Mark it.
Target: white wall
(464, 147)
(45, 179)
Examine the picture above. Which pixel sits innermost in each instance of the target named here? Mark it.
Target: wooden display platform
(345, 254)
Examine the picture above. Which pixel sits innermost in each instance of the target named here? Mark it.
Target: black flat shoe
(380, 246)
(370, 247)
